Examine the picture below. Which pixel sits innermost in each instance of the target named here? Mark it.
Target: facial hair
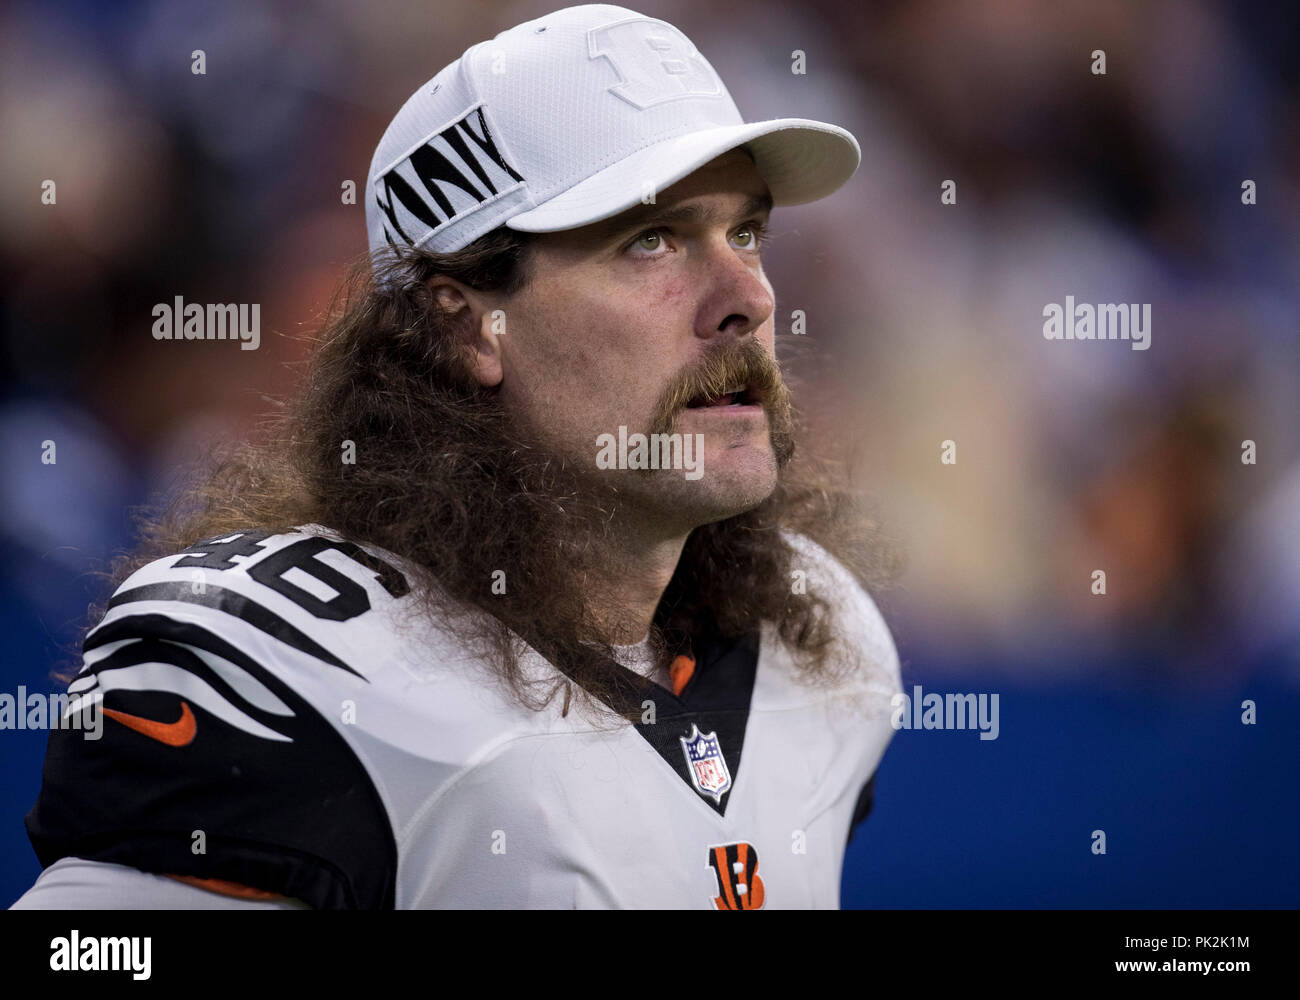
(746, 363)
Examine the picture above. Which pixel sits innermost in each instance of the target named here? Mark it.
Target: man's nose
(739, 300)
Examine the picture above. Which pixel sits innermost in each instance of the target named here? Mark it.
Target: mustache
(745, 364)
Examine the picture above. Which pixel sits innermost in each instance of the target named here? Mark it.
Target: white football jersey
(278, 716)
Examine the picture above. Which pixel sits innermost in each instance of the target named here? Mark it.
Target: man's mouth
(741, 395)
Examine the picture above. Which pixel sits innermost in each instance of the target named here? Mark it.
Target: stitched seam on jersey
(850, 790)
(484, 757)
(822, 703)
(855, 787)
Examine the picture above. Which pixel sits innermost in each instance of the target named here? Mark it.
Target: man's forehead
(717, 193)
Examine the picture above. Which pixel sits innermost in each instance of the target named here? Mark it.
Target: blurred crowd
(1071, 456)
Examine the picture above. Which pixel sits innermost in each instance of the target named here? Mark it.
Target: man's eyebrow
(648, 216)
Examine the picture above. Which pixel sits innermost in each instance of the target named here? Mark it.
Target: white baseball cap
(570, 119)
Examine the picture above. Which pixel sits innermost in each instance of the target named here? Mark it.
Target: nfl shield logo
(707, 765)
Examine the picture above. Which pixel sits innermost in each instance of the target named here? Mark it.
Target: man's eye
(754, 235)
(651, 239)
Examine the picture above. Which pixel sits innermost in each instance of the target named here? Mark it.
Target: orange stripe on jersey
(226, 888)
(681, 671)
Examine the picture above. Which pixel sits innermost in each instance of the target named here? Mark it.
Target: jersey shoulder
(302, 592)
(859, 624)
(208, 745)
(866, 640)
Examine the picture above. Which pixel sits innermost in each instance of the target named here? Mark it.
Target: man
(521, 607)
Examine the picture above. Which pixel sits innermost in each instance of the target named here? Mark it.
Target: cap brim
(799, 160)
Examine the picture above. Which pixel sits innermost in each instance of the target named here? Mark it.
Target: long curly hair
(447, 480)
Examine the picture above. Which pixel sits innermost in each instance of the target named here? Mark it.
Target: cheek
(554, 346)
(610, 339)
(670, 293)
(606, 355)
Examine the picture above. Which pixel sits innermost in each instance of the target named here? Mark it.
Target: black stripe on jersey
(173, 643)
(165, 651)
(154, 626)
(219, 599)
(862, 807)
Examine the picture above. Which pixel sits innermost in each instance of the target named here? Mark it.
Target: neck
(630, 569)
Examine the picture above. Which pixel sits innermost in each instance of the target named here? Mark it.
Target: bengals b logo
(671, 69)
(736, 868)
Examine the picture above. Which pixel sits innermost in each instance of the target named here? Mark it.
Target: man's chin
(716, 509)
(727, 487)
(704, 470)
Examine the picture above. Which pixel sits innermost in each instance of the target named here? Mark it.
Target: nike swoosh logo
(175, 734)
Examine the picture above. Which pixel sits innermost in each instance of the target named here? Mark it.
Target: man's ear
(474, 316)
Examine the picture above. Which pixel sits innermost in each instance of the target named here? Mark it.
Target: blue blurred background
(1119, 712)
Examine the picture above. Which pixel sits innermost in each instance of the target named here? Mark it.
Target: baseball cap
(569, 119)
